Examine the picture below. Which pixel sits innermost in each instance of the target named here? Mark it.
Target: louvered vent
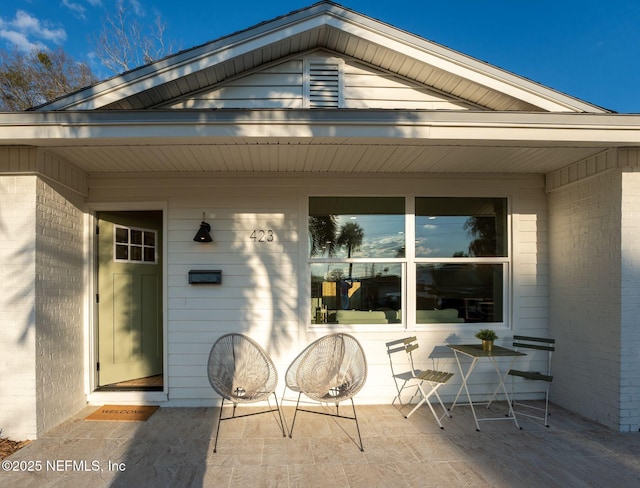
(324, 85)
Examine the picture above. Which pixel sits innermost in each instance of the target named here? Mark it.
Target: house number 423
(262, 235)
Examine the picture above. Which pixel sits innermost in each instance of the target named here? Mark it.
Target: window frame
(129, 245)
(408, 279)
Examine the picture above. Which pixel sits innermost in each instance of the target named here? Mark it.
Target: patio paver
(175, 448)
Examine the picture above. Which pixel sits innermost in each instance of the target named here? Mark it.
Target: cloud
(424, 250)
(20, 41)
(132, 6)
(137, 8)
(77, 9)
(27, 32)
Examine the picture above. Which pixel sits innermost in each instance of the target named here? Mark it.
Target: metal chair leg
(295, 413)
(215, 446)
(357, 426)
(279, 414)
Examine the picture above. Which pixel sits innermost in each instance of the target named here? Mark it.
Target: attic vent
(324, 87)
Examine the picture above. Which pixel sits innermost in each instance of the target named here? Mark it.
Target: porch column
(17, 307)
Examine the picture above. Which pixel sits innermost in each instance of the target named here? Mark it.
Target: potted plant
(487, 336)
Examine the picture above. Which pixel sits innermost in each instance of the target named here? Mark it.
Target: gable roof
(332, 27)
(477, 119)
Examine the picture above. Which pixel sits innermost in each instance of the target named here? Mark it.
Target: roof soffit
(327, 26)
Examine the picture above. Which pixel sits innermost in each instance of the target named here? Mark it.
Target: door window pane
(136, 236)
(136, 253)
(149, 254)
(122, 252)
(122, 234)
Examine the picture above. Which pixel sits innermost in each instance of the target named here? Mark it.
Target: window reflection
(350, 227)
(460, 259)
(460, 227)
(364, 293)
(467, 292)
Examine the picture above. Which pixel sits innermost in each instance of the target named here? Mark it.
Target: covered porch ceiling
(317, 156)
(319, 141)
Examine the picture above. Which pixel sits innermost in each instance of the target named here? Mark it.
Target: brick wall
(41, 306)
(17, 307)
(630, 330)
(59, 307)
(585, 233)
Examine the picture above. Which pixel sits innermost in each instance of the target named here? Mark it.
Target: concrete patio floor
(175, 448)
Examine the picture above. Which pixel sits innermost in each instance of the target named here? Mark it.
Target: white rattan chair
(240, 371)
(330, 370)
(415, 378)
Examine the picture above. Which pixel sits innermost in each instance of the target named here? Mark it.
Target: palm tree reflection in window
(351, 237)
(323, 231)
(486, 240)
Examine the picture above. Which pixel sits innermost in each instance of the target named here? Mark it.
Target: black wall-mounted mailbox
(205, 277)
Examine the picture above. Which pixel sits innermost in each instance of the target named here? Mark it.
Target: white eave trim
(465, 67)
(193, 126)
(317, 16)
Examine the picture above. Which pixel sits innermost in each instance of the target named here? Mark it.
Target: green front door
(129, 296)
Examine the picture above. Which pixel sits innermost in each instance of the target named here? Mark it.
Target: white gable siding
(265, 286)
(286, 85)
(275, 87)
(366, 87)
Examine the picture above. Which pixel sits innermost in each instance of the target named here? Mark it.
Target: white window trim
(129, 245)
(408, 322)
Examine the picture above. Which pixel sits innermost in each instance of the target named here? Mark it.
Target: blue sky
(588, 49)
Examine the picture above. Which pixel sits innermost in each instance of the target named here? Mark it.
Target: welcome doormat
(123, 413)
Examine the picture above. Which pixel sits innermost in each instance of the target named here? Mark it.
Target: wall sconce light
(203, 234)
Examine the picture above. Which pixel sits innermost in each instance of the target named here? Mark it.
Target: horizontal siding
(258, 294)
(264, 285)
(366, 87)
(276, 87)
(530, 261)
(282, 86)
(396, 103)
(200, 104)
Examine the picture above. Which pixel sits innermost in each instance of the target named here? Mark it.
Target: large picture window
(358, 260)
(357, 250)
(461, 259)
